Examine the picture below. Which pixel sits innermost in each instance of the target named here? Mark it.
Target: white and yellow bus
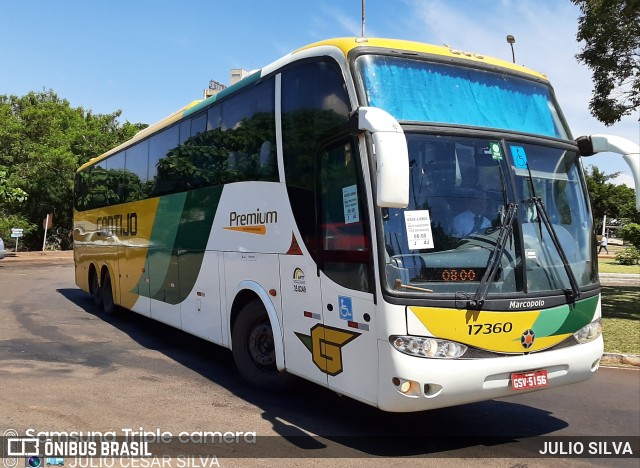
(402, 223)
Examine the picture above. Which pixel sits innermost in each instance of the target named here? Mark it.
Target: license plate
(528, 380)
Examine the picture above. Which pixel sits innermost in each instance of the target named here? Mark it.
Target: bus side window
(345, 256)
(98, 189)
(315, 105)
(160, 146)
(135, 172)
(82, 186)
(115, 172)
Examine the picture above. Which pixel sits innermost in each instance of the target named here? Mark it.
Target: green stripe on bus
(581, 313)
(566, 318)
(195, 228)
(163, 236)
(177, 251)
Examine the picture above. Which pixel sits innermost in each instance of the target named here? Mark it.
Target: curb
(619, 360)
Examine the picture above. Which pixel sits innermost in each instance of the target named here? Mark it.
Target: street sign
(16, 232)
(48, 221)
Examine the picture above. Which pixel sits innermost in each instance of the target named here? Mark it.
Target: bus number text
(489, 328)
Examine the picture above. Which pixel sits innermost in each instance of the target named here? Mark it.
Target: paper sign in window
(419, 235)
(350, 203)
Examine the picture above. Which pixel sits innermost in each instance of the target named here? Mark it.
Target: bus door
(349, 343)
(302, 315)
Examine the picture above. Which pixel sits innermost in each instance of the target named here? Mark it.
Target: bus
(405, 224)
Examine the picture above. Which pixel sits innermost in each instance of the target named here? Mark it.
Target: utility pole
(363, 18)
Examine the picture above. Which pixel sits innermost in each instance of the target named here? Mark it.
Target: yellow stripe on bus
(488, 330)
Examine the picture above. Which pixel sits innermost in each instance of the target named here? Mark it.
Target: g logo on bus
(527, 338)
(325, 344)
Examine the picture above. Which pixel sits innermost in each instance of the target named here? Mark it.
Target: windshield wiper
(542, 214)
(494, 260)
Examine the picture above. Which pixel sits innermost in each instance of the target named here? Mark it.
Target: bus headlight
(428, 347)
(589, 332)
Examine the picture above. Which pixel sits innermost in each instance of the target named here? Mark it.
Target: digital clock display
(452, 275)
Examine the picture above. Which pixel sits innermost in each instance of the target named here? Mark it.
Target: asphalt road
(65, 366)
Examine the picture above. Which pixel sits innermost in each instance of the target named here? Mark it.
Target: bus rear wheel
(108, 305)
(94, 288)
(254, 350)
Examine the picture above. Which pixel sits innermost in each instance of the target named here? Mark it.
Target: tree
(611, 32)
(615, 201)
(43, 140)
(631, 233)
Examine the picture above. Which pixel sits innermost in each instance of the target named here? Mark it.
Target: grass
(621, 319)
(608, 265)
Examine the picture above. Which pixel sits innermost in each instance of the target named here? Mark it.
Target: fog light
(405, 386)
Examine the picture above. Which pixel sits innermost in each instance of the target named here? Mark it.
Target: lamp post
(511, 40)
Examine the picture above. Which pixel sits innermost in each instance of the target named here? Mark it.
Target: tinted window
(135, 181)
(242, 149)
(196, 152)
(345, 246)
(115, 171)
(160, 173)
(81, 189)
(98, 188)
(315, 106)
(199, 123)
(185, 130)
(214, 118)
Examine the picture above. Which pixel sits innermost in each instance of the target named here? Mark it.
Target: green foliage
(611, 35)
(628, 256)
(631, 233)
(9, 191)
(43, 140)
(14, 221)
(618, 202)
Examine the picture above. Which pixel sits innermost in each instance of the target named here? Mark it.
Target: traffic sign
(16, 232)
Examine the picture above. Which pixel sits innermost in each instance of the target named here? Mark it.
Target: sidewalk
(48, 256)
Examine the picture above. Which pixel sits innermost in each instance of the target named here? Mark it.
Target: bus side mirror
(630, 151)
(391, 156)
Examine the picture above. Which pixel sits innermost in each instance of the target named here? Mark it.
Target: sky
(149, 58)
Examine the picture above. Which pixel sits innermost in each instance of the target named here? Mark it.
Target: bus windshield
(415, 90)
(460, 193)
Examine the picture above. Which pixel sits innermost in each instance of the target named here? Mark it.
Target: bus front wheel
(254, 350)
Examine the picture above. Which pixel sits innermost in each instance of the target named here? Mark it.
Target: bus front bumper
(438, 383)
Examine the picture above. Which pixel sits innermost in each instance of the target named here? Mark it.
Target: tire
(107, 295)
(94, 289)
(254, 350)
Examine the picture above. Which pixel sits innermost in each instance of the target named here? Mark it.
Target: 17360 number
(489, 328)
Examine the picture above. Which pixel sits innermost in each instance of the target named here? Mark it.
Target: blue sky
(151, 57)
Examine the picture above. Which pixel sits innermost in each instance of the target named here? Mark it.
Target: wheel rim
(261, 347)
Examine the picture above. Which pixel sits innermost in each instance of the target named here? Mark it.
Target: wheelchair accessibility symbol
(346, 309)
(519, 157)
